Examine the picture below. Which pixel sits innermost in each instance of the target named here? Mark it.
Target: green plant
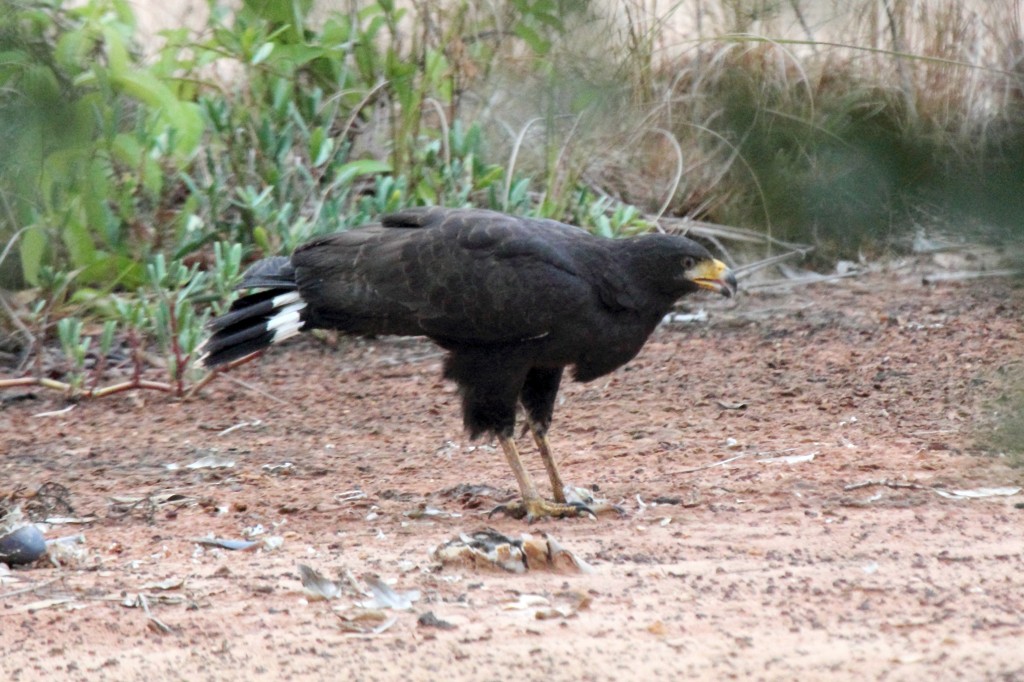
(69, 332)
(176, 325)
(136, 185)
(94, 136)
(166, 312)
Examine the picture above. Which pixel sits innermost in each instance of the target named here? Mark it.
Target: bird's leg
(538, 395)
(540, 437)
(489, 392)
(580, 495)
(526, 487)
(540, 389)
(532, 506)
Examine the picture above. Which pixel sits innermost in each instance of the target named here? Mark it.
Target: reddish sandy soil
(846, 566)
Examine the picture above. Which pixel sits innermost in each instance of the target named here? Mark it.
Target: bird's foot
(537, 508)
(586, 498)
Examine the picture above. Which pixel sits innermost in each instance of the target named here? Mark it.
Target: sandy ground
(741, 556)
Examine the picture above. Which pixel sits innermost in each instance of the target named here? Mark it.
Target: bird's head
(676, 265)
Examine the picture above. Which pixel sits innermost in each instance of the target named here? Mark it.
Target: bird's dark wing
(465, 276)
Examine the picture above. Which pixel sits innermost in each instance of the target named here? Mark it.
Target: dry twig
(888, 484)
(31, 588)
(712, 465)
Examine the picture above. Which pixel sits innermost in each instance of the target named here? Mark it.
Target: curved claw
(533, 510)
(596, 505)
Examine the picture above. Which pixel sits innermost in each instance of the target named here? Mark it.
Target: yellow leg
(533, 506)
(557, 486)
(526, 487)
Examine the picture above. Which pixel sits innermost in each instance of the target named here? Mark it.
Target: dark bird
(513, 300)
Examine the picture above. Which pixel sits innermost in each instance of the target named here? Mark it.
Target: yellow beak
(714, 275)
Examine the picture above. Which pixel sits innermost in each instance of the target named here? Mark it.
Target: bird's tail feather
(275, 272)
(258, 320)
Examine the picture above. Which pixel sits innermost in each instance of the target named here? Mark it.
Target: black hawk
(513, 300)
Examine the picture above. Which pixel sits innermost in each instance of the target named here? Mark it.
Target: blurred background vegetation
(152, 149)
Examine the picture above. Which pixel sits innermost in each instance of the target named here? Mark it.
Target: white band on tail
(287, 322)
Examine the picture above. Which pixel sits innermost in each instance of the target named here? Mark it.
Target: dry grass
(843, 123)
(811, 118)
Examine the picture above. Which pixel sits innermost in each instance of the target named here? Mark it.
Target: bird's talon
(583, 510)
(514, 510)
(534, 510)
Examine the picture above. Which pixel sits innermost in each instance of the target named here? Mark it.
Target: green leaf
(146, 88)
(532, 38)
(437, 69)
(425, 194)
(111, 270)
(94, 188)
(262, 53)
(107, 338)
(76, 237)
(69, 331)
(324, 152)
(493, 175)
(9, 57)
(40, 85)
(280, 11)
(262, 240)
(298, 55)
(33, 248)
(117, 54)
(124, 12)
(129, 152)
(354, 169)
(190, 127)
(184, 117)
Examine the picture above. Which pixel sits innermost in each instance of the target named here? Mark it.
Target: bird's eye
(689, 262)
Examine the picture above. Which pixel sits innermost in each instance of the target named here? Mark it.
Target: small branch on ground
(31, 588)
(71, 392)
(179, 389)
(212, 374)
(712, 465)
(888, 484)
